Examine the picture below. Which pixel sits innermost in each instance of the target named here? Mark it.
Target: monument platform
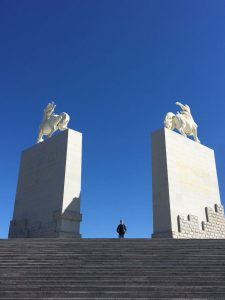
(186, 199)
(47, 200)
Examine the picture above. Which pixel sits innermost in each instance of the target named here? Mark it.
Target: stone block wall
(25, 229)
(213, 228)
(62, 225)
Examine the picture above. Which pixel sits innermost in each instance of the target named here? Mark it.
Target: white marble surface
(49, 185)
(184, 179)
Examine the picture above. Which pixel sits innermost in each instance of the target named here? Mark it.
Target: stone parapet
(213, 228)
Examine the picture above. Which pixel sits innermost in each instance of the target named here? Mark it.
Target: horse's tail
(168, 121)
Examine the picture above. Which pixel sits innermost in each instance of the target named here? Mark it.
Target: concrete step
(112, 269)
(114, 295)
(61, 290)
(18, 285)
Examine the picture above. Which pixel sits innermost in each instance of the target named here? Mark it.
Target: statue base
(186, 199)
(48, 192)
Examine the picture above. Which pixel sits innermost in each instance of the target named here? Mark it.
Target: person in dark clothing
(121, 229)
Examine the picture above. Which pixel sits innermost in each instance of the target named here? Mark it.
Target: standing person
(121, 229)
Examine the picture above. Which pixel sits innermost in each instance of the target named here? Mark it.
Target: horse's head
(168, 121)
(62, 125)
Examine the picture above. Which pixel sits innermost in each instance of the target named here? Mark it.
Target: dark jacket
(121, 229)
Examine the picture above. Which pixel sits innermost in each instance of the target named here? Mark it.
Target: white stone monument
(186, 199)
(48, 192)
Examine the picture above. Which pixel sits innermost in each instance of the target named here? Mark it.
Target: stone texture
(115, 269)
(184, 183)
(49, 185)
(213, 228)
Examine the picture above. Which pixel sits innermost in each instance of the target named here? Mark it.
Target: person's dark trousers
(121, 235)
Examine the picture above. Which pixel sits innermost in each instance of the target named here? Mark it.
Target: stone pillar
(185, 188)
(48, 191)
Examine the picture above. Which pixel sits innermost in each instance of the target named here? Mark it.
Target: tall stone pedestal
(186, 199)
(48, 192)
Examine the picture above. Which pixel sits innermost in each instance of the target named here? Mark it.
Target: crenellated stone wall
(213, 228)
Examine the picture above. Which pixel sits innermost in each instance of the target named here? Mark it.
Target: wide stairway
(112, 269)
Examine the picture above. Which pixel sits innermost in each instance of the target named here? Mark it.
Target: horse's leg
(40, 135)
(51, 133)
(172, 126)
(181, 130)
(195, 135)
(179, 124)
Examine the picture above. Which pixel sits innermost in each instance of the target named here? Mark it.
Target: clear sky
(116, 67)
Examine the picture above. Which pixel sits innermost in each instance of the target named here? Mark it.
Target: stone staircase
(112, 269)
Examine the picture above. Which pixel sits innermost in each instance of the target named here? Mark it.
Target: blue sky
(116, 67)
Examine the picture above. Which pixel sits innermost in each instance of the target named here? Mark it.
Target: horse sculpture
(182, 121)
(52, 122)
